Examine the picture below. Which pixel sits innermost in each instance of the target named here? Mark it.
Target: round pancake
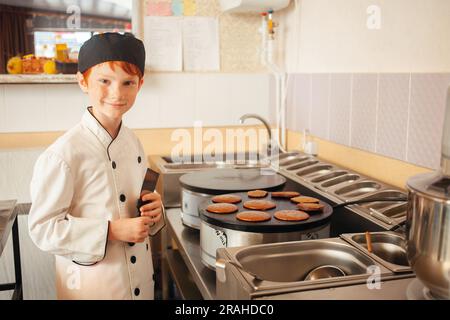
(257, 194)
(226, 198)
(259, 205)
(309, 207)
(291, 215)
(253, 216)
(222, 208)
(285, 194)
(304, 200)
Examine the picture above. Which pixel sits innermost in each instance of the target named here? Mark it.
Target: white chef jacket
(80, 183)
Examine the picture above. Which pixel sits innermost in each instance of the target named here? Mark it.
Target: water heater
(257, 6)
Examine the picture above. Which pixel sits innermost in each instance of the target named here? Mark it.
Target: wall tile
(302, 100)
(340, 104)
(291, 109)
(320, 105)
(213, 99)
(248, 94)
(146, 110)
(64, 106)
(17, 170)
(177, 101)
(25, 108)
(428, 95)
(272, 102)
(364, 105)
(392, 118)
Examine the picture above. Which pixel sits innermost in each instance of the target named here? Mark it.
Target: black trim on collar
(118, 132)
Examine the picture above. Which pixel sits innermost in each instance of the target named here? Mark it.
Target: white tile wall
(16, 167)
(25, 108)
(165, 101)
(320, 88)
(210, 106)
(364, 111)
(428, 94)
(340, 107)
(302, 100)
(395, 115)
(249, 94)
(64, 102)
(291, 107)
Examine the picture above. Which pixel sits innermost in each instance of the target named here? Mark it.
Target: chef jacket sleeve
(51, 226)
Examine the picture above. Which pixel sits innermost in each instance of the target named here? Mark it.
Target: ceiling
(105, 8)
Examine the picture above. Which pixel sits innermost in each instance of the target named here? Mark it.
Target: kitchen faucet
(265, 123)
(258, 117)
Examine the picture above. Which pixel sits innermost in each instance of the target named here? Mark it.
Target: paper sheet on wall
(163, 43)
(201, 44)
(159, 8)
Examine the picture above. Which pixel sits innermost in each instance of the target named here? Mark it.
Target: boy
(86, 185)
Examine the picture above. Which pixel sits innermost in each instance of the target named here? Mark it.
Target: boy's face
(111, 92)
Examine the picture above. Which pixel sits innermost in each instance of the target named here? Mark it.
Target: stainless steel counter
(7, 217)
(188, 243)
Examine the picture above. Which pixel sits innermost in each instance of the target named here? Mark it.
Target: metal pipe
(258, 117)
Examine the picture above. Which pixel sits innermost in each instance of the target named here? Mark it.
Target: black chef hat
(111, 47)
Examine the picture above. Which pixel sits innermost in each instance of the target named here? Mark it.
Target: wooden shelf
(37, 78)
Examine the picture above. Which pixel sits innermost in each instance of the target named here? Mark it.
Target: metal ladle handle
(445, 151)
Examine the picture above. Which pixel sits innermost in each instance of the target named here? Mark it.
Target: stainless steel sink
(291, 262)
(198, 166)
(358, 189)
(172, 169)
(214, 158)
(275, 268)
(188, 166)
(268, 270)
(388, 249)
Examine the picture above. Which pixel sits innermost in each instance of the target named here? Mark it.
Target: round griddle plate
(221, 181)
(229, 221)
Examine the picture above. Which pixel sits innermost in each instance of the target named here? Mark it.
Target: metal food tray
(391, 248)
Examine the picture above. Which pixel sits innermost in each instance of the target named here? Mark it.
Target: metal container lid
(219, 181)
(434, 184)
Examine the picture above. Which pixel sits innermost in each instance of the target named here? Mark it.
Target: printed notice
(159, 8)
(201, 44)
(163, 39)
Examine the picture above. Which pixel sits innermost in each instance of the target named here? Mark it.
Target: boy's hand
(153, 209)
(130, 229)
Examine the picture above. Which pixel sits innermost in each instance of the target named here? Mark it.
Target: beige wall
(332, 36)
(154, 141)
